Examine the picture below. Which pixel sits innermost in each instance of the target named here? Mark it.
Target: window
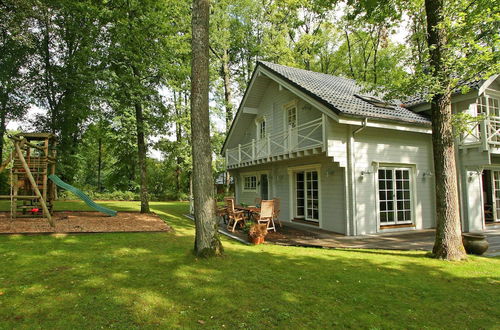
(488, 106)
(261, 129)
(250, 183)
(376, 102)
(394, 196)
(291, 115)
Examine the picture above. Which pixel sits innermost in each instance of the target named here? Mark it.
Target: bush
(114, 196)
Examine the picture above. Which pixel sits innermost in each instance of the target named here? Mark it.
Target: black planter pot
(475, 243)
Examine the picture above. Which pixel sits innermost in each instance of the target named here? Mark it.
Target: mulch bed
(84, 222)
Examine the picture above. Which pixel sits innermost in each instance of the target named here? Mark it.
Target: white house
(350, 163)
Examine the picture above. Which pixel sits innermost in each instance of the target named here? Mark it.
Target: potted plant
(257, 232)
(475, 243)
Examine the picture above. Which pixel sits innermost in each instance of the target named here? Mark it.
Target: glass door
(496, 194)
(394, 196)
(264, 187)
(307, 195)
(291, 120)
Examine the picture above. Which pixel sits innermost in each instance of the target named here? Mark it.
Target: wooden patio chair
(267, 214)
(277, 209)
(234, 217)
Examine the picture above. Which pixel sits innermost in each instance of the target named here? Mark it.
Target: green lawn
(153, 280)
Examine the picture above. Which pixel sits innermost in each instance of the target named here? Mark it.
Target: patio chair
(234, 217)
(277, 209)
(267, 214)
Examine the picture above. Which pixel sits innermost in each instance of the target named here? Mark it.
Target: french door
(395, 200)
(307, 195)
(496, 194)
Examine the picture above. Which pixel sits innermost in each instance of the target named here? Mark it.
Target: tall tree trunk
(3, 118)
(228, 102)
(353, 76)
(207, 242)
(99, 164)
(141, 154)
(448, 244)
(178, 138)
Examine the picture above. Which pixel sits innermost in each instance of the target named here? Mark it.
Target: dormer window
(376, 102)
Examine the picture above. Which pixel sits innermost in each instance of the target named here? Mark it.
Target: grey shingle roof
(339, 94)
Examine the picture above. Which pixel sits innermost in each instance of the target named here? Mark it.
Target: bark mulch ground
(84, 222)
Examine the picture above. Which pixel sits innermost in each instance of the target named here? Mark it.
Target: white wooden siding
(375, 146)
(331, 195)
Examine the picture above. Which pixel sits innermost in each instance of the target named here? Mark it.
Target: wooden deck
(407, 240)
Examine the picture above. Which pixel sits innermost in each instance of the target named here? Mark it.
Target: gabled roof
(341, 95)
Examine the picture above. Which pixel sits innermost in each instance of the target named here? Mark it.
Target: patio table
(248, 209)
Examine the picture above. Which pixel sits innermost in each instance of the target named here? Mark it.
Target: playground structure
(33, 180)
(33, 159)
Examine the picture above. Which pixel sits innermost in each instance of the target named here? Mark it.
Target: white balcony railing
(303, 137)
(485, 133)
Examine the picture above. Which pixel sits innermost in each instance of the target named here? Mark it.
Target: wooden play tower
(32, 160)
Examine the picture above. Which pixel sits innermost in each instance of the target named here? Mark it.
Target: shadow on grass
(153, 280)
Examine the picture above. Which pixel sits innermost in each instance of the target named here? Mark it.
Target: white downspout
(352, 171)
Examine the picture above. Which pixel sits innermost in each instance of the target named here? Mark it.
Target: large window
(250, 183)
(394, 187)
(307, 195)
(488, 106)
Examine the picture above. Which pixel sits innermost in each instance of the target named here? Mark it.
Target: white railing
(484, 132)
(303, 137)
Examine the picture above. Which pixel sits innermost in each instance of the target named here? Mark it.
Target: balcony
(484, 134)
(302, 140)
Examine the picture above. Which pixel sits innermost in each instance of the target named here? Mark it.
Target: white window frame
(243, 181)
(287, 107)
(258, 123)
(413, 196)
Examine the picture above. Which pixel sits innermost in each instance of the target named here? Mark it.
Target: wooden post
(46, 169)
(268, 146)
(485, 123)
(253, 149)
(6, 162)
(33, 184)
(13, 204)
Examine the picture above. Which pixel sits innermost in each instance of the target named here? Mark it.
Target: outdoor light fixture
(427, 174)
(366, 172)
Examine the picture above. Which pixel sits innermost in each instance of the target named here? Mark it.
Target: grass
(153, 280)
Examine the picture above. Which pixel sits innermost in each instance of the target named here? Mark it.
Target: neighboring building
(347, 162)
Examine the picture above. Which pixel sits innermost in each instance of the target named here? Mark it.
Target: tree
(143, 46)
(207, 242)
(15, 47)
(461, 40)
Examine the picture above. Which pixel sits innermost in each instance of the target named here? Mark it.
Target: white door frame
(292, 189)
(413, 191)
